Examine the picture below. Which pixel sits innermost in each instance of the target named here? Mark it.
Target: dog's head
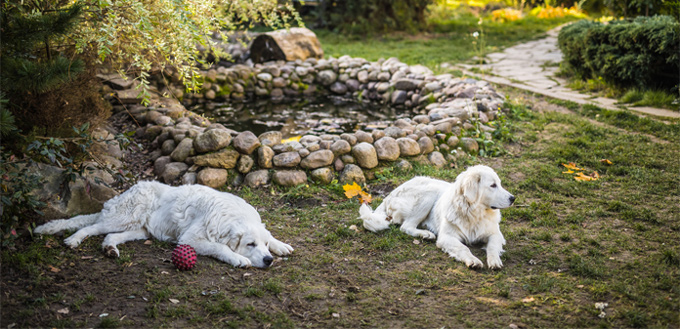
(251, 240)
(481, 185)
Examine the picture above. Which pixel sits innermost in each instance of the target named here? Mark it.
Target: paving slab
(532, 66)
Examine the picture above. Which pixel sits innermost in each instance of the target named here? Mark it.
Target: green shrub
(362, 16)
(628, 53)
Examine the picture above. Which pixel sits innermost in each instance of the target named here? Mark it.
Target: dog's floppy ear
(470, 187)
(234, 239)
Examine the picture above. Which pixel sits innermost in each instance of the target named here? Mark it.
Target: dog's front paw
(280, 248)
(427, 235)
(494, 262)
(72, 241)
(111, 251)
(241, 261)
(474, 262)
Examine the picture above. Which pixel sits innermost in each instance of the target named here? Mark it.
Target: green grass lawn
(449, 40)
(570, 245)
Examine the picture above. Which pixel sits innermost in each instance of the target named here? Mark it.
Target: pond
(318, 116)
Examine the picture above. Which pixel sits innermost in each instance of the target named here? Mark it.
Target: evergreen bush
(47, 87)
(628, 53)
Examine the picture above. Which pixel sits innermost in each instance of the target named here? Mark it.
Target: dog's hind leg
(95, 229)
(59, 225)
(410, 227)
(112, 240)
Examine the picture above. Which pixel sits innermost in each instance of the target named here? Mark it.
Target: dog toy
(184, 257)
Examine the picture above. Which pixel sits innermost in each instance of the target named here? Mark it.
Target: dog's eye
(494, 185)
(252, 244)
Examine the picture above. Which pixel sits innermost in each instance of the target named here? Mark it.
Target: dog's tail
(59, 225)
(374, 220)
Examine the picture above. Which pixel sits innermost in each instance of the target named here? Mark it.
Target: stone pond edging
(188, 149)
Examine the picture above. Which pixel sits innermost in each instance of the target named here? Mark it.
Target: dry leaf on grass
(571, 166)
(355, 190)
(586, 178)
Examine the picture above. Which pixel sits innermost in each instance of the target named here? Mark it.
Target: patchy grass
(570, 245)
(626, 97)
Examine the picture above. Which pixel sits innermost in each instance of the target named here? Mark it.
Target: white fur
(458, 213)
(214, 223)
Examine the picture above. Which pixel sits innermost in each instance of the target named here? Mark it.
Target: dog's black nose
(512, 199)
(267, 260)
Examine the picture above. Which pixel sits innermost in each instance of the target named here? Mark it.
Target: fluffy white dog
(459, 213)
(214, 223)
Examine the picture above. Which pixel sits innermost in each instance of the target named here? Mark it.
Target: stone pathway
(532, 65)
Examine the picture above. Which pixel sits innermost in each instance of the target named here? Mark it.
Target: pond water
(322, 115)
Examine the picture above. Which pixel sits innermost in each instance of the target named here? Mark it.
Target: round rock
(340, 147)
(317, 159)
(212, 177)
(173, 170)
(365, 155)
(408, 147)
(363, 137)
(352, 173)
(387, 149)
(257, 178)
(183, 150)
(212, 140)
(264, 156)
(287, 159)
(426, 145)
(322, 175)
(246, 142)
(270, 138)
(290, 177)
(436, 159)
(245, 164)
(470, 145)
(225, 158)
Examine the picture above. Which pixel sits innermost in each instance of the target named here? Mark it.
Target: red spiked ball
(184, 257)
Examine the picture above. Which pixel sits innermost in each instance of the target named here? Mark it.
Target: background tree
(370, 16)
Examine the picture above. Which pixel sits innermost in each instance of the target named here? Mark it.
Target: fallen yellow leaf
(354, 190)
(365, 197)
(291, 139)
(606, 161)
(584, 178)
(571, 166)
(568, 172)
(351, 190)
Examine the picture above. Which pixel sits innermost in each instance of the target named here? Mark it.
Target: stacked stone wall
(188, 148)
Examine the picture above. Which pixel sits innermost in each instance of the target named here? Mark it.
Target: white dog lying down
(466, 211)
(216, 224)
